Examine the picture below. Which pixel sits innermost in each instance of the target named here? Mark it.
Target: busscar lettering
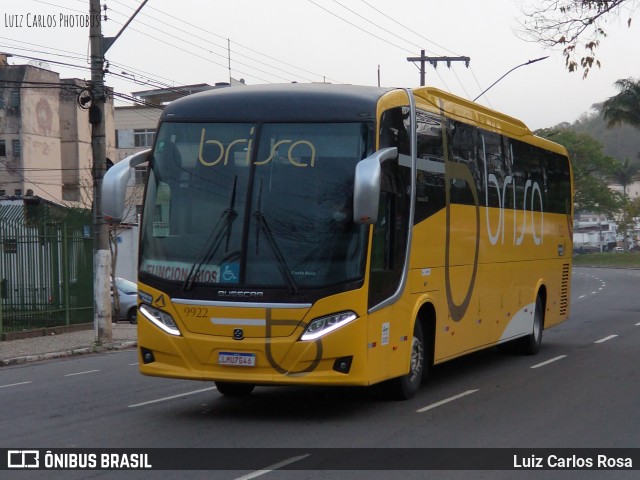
(218, 152)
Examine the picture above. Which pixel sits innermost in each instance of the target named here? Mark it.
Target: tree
(624, 174)
(591, 170)
(575, 25)
(625, 106)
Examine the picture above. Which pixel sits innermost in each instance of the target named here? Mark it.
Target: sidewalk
(13, 352)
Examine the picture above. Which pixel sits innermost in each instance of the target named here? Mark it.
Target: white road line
(602, 340)
(81, 373)
(273, 467)
(638, 324)
(582, 296)
(132, 364)
(593, 293)
(14, 384)
(446, 400)
(171, 397)
(555, 359)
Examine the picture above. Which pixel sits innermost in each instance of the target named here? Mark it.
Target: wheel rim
(417, 358)
(537, 324)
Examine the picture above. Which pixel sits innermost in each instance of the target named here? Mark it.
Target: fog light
(343, 364)
(147, 356)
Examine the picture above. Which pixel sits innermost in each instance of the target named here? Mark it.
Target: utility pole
(102, 255)
(423, 59)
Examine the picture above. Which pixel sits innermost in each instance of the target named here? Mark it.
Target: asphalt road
(581, 391)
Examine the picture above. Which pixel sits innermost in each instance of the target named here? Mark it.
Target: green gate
(46, 266)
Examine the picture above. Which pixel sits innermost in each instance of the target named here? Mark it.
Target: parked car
(128, 295)
(618, 249)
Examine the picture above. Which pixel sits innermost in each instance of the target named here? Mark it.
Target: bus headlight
(323, 325)
(160, 319)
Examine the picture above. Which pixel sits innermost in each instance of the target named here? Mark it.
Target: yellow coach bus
(343, 235)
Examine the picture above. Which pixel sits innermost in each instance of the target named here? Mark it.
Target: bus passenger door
(388, 325)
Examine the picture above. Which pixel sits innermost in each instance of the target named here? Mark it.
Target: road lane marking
(81, 373)
(271, 468)
(164, 399)
(14, 384)
(555, 359)
(446, 400)
(638, 324)
(582, 296)
(602, 340)
(133, 364)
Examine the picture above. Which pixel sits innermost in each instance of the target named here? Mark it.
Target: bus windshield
(254, 205)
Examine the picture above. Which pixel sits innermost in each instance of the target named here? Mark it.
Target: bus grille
(564, 291)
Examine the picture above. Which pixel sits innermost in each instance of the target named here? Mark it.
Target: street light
(517, 66)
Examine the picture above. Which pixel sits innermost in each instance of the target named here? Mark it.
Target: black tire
(530, 345)
(233, 389)
(405, 387)
(132, 315)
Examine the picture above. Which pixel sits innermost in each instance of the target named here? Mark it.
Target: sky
(366, 42)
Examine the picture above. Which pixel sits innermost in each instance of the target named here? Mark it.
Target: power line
(358, 27)
(378, 26)
(225, 48)
(409, 29)
(174, 18)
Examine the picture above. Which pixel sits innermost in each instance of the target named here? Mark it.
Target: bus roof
(472, 112)
(481, 116)
(309, 102)
(294, 102)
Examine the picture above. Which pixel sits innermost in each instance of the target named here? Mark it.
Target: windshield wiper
(264, 226)
(224, 225)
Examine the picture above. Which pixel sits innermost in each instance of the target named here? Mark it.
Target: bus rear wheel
(530, 345)
(233, 389)
(405, 387)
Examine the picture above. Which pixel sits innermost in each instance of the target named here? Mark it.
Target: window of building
(15, 99)
(143, 137)
(17, 192)
(1, 99)
(2, 192)
(16, 148)
(140, 175)
(3, 148)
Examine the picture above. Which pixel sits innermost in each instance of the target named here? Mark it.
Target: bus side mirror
(114, 186)
(366, 189)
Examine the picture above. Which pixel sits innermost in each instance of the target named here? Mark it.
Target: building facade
(45, 136)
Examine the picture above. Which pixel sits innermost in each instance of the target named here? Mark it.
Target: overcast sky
(177, 42)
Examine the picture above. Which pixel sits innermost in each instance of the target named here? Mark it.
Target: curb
(69, 353)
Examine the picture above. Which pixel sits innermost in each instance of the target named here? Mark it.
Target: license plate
(236, 359)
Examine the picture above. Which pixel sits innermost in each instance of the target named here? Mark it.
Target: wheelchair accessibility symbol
(230, 273)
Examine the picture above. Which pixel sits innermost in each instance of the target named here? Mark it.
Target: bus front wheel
(405, 387)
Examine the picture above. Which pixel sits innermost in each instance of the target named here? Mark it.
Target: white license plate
(236, 359)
